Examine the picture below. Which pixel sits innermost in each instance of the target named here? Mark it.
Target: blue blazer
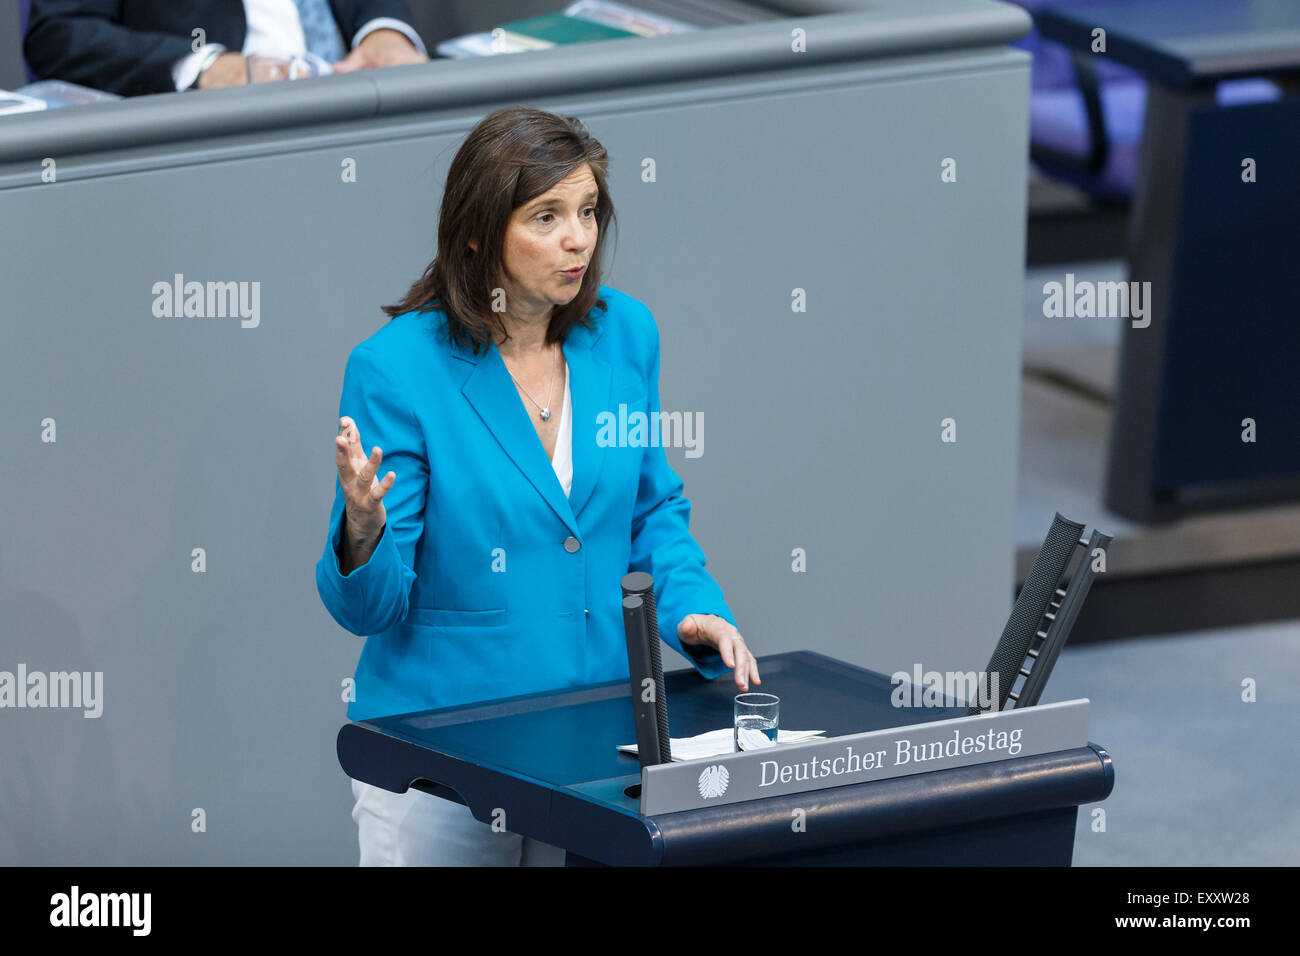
(487, 581)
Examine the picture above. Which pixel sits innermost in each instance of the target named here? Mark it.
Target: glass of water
(757, 719)
(269, 69)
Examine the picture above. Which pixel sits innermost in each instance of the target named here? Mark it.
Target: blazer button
(587, 611)
(571, 544)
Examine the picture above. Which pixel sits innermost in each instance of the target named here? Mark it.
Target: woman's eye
(546, 215)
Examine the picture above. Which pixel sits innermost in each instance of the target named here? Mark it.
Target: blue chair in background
(1086, 114)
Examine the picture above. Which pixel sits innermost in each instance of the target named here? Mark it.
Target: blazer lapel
(491, 392)
(589, 391)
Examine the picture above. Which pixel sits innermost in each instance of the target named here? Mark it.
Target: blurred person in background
(134, 47)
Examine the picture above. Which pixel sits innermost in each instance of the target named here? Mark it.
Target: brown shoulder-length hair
(509, 159)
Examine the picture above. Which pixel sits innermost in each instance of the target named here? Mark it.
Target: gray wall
(222, 688)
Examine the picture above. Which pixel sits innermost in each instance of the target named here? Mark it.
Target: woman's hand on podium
(716, 632)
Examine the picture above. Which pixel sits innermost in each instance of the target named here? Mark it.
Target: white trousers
(418, 829)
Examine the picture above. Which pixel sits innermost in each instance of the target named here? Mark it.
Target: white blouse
(562, 459)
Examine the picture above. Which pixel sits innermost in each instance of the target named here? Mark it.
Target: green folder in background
(555, 28)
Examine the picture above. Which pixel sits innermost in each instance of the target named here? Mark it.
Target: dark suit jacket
(129, 46)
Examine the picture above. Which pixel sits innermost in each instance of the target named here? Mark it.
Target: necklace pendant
(546, 414)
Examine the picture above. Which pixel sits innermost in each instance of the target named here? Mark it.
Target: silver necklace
(545, 413)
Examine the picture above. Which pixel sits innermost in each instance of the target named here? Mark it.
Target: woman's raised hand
(364, 495)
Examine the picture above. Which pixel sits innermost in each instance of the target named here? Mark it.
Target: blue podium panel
(549, 763)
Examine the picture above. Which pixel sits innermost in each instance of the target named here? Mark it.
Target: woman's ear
(473, 245)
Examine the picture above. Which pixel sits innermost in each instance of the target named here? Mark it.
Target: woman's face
(552, 233)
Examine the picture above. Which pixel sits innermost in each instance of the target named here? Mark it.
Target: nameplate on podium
(865, 757)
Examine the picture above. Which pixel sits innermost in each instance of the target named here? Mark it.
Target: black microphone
(646, 669)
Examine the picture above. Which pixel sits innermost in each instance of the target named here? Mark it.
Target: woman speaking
(486, 563)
